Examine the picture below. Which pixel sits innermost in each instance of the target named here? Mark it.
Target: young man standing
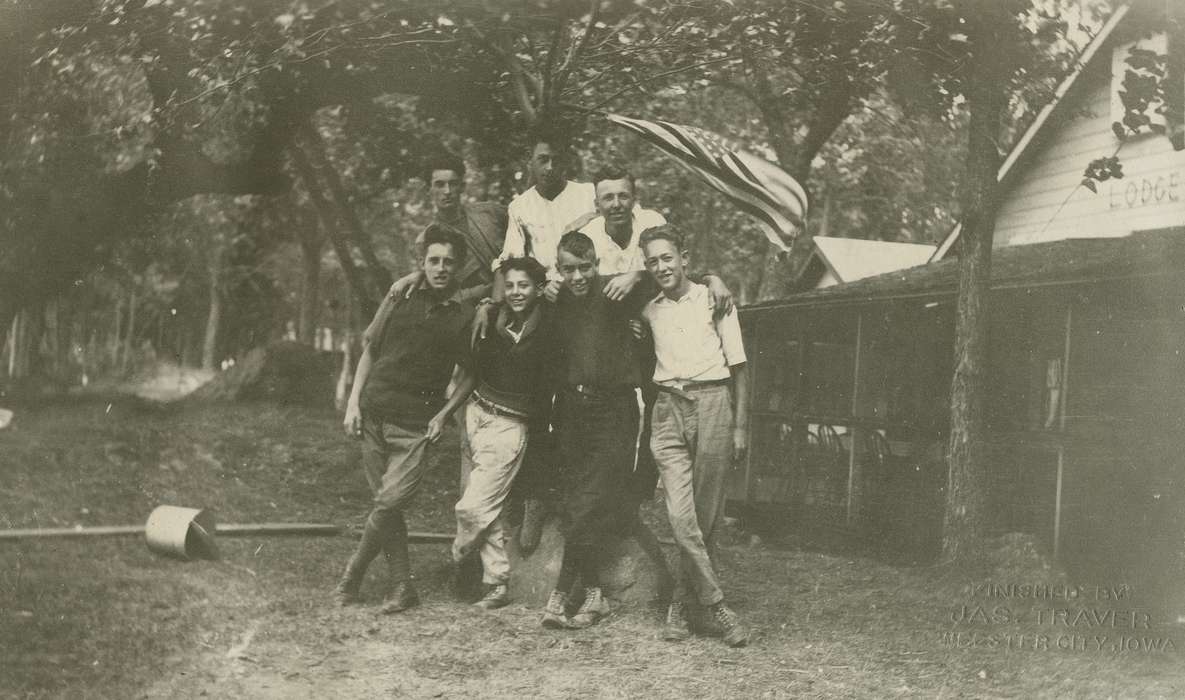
(537, 219)
(481, 224)
(618, 224)
(616, 232)
(596, 421)
(397, 407)
(543, 213)
(511, 406)
(699, 423)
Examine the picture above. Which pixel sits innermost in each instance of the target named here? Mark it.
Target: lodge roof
(851, 259)
(1063, 262)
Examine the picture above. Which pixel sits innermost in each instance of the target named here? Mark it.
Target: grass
(108, 619)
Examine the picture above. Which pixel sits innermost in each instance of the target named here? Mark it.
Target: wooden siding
(1047, 202)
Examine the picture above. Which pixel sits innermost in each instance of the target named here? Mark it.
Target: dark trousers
(596, 442)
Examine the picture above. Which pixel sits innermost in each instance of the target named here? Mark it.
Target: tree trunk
(26, 341)
(311, 243)
(129, 338)
(965, 523)
(214, 318)
(14, 345)
(7, 316)
(325, 214)
(378, 275)
(116, 336)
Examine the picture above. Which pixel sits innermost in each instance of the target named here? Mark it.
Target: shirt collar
(503, 322)
(425, 290)
(693, 293)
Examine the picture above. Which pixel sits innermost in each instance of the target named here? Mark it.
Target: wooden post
(853, 465)
(1061, 447)
(796, 479)
(748, 477)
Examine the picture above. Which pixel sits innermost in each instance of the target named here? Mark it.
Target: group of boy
(566, 335)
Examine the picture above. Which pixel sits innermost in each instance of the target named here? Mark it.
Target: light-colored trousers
(692, 446)
(497, 443)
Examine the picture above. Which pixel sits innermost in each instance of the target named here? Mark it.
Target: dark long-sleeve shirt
(519, 375)
(598, 346)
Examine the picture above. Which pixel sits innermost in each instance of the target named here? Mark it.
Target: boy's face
(546, 166)
(666, 262)
(445, 188)
(520, 291)
(440, 262)
(578, 273)
(615, 201)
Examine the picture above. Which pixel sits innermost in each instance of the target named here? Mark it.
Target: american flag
(760, 188)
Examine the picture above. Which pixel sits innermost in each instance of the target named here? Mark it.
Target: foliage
(1144, 96)
(125, 108)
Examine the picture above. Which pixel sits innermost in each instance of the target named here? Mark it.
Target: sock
(394, 542)
(368, 548)
(590, 559)
(569, 568)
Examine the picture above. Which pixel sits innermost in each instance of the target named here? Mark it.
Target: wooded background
(184, 181)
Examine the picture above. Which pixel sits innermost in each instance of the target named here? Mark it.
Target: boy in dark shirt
(596, 422)
(398, 408)
(510, 406)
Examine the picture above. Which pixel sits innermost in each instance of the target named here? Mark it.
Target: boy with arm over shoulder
(398, 408)
(699, 423)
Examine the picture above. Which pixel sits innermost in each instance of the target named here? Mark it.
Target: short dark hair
(665, 232)
(531, 266)
(614, 172)
(552, 136)
(443, 161)
(578, 244)
(435, 233)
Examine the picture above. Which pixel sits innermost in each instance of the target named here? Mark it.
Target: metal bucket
(185, 533)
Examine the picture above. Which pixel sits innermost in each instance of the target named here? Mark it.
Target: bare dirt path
(108, 619)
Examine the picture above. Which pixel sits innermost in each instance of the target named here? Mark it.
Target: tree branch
(652, 78)
(577, 48)
(521, 79)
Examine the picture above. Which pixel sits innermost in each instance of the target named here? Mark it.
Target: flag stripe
(779, 181)
(698, 153)
(758, 187)
(689, 153)
(773, 223)
(741, 177)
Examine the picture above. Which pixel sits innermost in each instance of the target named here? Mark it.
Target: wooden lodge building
(1086, 408)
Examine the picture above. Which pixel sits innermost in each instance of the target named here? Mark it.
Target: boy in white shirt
(699, 422)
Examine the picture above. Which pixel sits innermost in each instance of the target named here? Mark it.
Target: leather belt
(692, 386)
(496, 409)
(595, 391)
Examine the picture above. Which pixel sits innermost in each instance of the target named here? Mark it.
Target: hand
(618, 287)
(481, 324)
(552, 290)
(353, 420)
(404, 286)
(721, 296)
(638, 329)
(740, 443)
(435, 428)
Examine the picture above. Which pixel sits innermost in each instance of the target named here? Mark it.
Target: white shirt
(615, 259)
(690, 345)
(541, 222)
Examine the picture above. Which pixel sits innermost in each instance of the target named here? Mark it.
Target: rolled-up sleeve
(731, 341)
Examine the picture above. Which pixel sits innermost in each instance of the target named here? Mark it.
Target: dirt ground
(108, 619)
